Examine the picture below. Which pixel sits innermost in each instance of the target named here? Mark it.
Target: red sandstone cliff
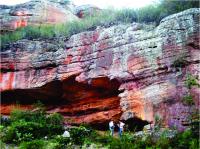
(35, 12)
(121, 72)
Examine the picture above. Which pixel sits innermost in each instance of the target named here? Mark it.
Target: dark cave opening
(132, 124)
(47, 94)
(62, 92)
(82, 102)
(71, 99)
(135, 124)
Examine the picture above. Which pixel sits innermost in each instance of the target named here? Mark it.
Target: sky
(98, 3)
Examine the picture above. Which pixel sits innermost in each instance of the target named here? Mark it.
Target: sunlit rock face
(122, 72)
(35, 12)
(92, 103)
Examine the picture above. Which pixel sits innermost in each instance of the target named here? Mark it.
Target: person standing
(121, 128)
(111, 127)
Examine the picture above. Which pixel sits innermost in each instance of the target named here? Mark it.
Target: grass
(107, 17)
(103, 18)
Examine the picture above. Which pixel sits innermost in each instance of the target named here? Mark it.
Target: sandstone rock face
(35, 12)
(85, 10)
(121, 72)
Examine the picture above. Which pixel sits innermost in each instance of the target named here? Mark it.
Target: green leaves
(191, 81)
(188, 100)
(79, 134)
(35, 144)
(27, 126)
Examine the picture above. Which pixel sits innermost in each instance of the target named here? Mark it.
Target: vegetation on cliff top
(152, 13)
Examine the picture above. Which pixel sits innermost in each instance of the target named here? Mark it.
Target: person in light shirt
(111, 127)
(121, 128)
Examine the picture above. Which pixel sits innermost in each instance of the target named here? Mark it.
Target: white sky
(115, 3)
(98, 3)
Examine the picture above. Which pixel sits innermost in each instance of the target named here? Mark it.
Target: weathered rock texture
(121, 72)
(35, 12)
(85, 10)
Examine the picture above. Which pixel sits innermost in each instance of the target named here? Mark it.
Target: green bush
(171, 7)
(35, 144)
(158, 123)
(27, 126)
(105, 139)
(124, 143)
(79, 134)
(195, 123)
(28, 116)
(180, 62)
(185, 140)
(126, 16)
(55, 119)
(61, 142)
(9, 135)
(149, 13)
(163, 142)
(188, 100)
(191, 81)
(2, 145)
(23, 131)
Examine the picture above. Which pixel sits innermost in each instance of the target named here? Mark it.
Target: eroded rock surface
(35, 12)
(121, 72)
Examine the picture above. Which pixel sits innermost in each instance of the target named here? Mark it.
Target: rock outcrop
(85, 10)
(120, 72)
(35, 12)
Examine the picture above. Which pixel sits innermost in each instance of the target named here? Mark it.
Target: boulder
(35, 12)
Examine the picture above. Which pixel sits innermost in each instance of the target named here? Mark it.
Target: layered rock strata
(123, 72)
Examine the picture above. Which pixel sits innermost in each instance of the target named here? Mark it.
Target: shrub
(195, 123)
(39, 105)
(27, 125)
(149, 13)
(9, 135)
(188, 100)
(163, 142)
(55, 119)
(22, 131)
(30, 32)
(171, 7)
(191, 81)
(105, 139)
(126, 16)
(28, 131)
(28, 116)
(35, 144)
(2, 145)
(179, 62)
(79, 134)
(158, 123)
(61, 142)
(185, 140)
